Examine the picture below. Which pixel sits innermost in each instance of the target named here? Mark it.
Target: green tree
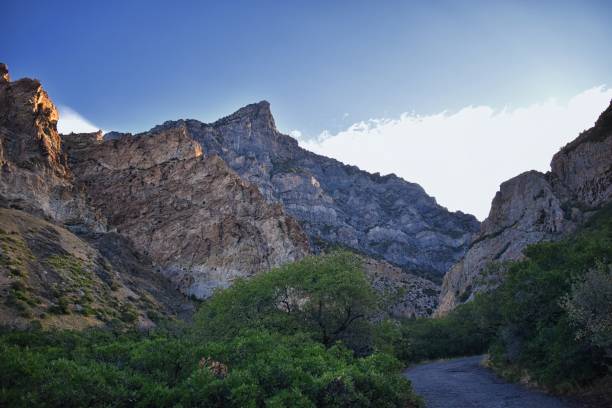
(327, 296)
(589, 307)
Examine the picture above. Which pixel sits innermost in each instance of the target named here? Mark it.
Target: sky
(455, 95)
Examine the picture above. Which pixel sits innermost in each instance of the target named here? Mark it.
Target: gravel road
(464, 383)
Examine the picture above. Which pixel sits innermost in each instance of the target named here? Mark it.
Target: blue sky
(324, 66)
(131, 64)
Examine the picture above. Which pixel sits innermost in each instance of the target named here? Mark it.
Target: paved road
(464, 383)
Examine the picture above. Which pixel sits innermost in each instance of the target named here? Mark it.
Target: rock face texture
(34, 172)
(408, 295)
(535, 207)
(198, 220)
(336, 204)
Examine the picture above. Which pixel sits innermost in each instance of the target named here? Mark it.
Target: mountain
(534, 207)
(337, 205)
(95, 231)
(126, 228)
(48, 273)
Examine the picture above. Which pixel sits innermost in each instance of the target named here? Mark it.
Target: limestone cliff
(35, 176)
(198, 220)
(201, 205)
(48, 273)
(535, 207)
(380, 216)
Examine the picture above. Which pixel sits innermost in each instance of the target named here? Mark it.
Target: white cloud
(461, 158)
(295, 133)
(71, 121)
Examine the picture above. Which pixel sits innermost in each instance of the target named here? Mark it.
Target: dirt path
(464, 383)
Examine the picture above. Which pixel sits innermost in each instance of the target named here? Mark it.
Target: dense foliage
(538, 333)
(287, 338)
(469, 330)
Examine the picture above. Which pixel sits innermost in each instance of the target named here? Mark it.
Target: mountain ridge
(157, 209)
(336, 203)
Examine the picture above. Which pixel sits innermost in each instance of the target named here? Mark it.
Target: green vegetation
(539, 334)
(298, 336)
(312, 333)
(327, 297)
(14, 256)
(549, 321)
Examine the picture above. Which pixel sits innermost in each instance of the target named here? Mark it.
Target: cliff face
(35, 176)
(535, 207)
(336, 204)
(189, 212)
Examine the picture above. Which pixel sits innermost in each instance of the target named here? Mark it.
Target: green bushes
(589, 309)
(99, 368)
(468, 330)
(540, 332)
(284, 339)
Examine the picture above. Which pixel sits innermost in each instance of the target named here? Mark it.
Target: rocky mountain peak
(191, 214)
(25, 109)
(35, 174)
(336, 204)
(256, 115)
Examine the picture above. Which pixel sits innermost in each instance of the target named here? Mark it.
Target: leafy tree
(327, 296)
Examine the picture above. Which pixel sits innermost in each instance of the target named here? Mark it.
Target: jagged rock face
(535, 207)
(337, 204)
(25, 108)
(198, 220)
(34, 172)
(584, 166)
(408, 295)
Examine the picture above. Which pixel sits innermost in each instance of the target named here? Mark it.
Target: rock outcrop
(406, 295)
(336, 204)
(198, 220)
(535, 207)
(35, 176)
